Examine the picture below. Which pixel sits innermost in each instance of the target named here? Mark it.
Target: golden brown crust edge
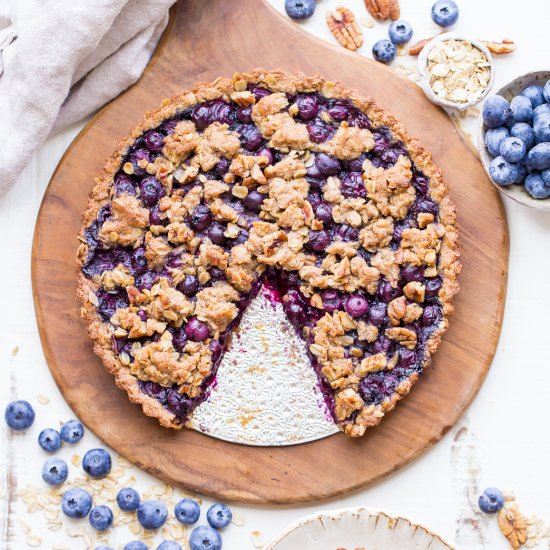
(275, 80)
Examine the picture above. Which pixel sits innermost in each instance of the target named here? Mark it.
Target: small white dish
(354, 528)
(424, 78)
(508, 91)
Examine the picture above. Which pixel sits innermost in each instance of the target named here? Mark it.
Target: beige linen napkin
(60, 60)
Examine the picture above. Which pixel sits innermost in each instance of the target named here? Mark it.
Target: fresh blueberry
(187, 511)
(55, 471)
(169, 545)
(512, 149)
(219, 516)
(535, 94)
(101, 518)
(538, 158)
(72, 431)
(128, 499)
(299, 9)
(521, 107)
(356, 305)
(196, 330)
(19, 415)
(152, 514)
(445, 13)
(400, 32)
(135, 545)
(493, 139)
(543, 109)
(521, 172)
(523, 131)
(535, 186)
(103, 548)
(50, 440)
(491, 501)
(205, 538)
(76, 503)
(97, 462)
(495, 111)
(545, 175)
(384, 51)
(546, 91)
(541, 127)
(502, 172)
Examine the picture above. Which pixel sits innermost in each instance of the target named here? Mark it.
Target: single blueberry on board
(512, 149)
(101, 518)
(50, 440)
(128, 499)
(535, 94)
(299, 9)
(495, 111)
(135, 545)
(187, 511)
(541, 127)
(491, 501)
(400, 32)
(55, 471)
(205, 538)
(523, 131)
(522, 109)
(169, 545)
(502, 172)
(493, 139)
(445, 13)
(384, 51)
(76, 503)
(72, 431)
(152, 514)
(535, 186)
(19, 415)
(538, 158)
(219, 516)
(97, 462)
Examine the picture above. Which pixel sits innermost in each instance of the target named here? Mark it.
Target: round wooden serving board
(203, 41)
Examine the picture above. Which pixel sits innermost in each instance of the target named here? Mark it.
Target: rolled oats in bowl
(455, 72)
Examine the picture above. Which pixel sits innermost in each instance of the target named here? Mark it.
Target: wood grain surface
(205, 40)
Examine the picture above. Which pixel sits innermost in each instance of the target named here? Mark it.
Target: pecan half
(382, 10)
(402, 335)
(344, 27)
(506, 46)
(417, 47)
(395, 10)
(513, 526)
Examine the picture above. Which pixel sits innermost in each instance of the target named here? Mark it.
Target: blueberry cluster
(77, 502)
(518, 137)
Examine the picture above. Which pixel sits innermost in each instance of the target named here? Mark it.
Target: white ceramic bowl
(515, 192)
(353, 528)
(424, 79)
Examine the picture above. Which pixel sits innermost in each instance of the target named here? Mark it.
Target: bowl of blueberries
(514, 139)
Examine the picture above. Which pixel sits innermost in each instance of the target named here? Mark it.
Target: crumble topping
(117, 277)
(127, 223)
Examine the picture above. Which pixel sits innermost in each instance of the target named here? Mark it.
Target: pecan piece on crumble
(403, 336)
(346, 402)
(373, 363)
(415, 291)
(344, 27)
(397, 309)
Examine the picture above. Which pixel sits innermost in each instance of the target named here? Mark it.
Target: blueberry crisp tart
(278, 180)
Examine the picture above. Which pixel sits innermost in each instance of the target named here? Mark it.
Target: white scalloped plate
(356, 529)
(266, 392)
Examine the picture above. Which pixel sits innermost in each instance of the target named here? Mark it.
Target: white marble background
(503, 438)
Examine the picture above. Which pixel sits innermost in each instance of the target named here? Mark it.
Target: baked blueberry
(76, 503)
(491, 500)
(205, 538)
(72, 431)
(523, 131)
(308, 106)
(522, 109)
(357, 305)
(299, 9)
(535, 186)
(512, 149)
(496, 111)
(135, 545)
(196, 330)
(327, 165)
(50, 440)
(19, 415)
(152, 514)
(55, 471)
(535, 95)
(400, 32)
(187, 511)
(101, 518)
(97, 462)
(494, 137)
(384, 51)
(128, 499)
(219, 516)
(445, 13)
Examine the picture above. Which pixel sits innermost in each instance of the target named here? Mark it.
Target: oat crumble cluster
(273, 179)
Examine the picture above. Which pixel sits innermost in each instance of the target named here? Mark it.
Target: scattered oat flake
(366, 22)
(33, 540)
(42, 399)
(24, 526)
(14, 351)
(238, 520)
(257, 539)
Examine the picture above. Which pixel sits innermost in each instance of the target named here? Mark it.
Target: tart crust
(277, 81)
